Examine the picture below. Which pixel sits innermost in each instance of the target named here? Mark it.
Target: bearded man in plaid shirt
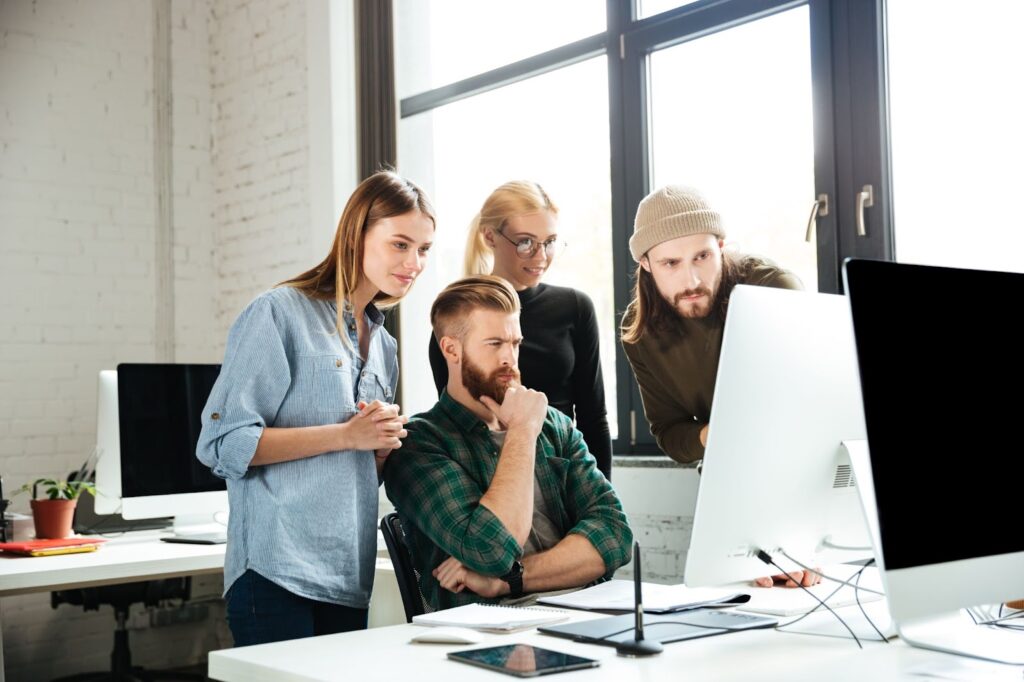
(498, 495)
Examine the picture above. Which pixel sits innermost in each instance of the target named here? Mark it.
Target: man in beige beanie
(672, 329)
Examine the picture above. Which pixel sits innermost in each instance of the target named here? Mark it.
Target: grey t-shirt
(544, 534)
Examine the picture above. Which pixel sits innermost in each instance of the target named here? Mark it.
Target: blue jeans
(260, 612)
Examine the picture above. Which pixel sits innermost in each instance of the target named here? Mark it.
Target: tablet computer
(523, 660)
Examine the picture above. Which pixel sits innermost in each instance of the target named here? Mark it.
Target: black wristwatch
(514, 578)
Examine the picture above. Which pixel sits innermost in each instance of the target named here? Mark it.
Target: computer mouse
(447, 635)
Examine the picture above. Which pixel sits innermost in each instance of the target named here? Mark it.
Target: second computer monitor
(148, 422)
(941, 367)
(775, 476)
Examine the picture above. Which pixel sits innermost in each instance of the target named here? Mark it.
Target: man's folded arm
(440, 497)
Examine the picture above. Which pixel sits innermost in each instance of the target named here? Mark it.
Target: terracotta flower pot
(53, 517)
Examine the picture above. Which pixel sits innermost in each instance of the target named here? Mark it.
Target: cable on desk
(833, 579)
(671, 622)
(767, 558)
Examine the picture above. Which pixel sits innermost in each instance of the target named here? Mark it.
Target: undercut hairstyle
(449, 316)
(650, 312)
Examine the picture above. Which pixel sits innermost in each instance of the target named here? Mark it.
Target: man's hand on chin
(455, 577)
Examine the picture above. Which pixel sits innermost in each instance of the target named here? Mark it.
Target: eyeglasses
(528, 247)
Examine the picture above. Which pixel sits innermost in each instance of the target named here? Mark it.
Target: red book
(53, 546)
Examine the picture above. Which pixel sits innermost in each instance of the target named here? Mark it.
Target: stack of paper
(618, 595)
(50, 547)
(491, 618)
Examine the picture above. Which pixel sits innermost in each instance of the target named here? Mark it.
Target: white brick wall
(260, 149)
(660, 502)
(78, 215)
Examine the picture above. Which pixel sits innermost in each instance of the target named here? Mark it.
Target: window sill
(648, 462)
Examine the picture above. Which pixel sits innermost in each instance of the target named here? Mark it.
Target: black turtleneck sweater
(559, 356)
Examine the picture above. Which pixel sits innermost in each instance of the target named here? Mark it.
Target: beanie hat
(670, 212)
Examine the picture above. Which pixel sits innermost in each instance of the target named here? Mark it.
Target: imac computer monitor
(775, 475)
(148, 423)
(941, 360)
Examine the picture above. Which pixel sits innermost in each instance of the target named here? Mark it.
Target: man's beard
(493, 386)
(694, 310)
(703, 309)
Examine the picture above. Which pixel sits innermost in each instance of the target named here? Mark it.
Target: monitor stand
(956, 633)
(198, 528)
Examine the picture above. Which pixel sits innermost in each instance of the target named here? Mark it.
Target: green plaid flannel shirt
(445, 466)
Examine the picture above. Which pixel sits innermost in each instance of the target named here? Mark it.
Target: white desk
(132, 557)
(384, 654)
(141, 555)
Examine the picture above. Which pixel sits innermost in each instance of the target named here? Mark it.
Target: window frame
(850, 138)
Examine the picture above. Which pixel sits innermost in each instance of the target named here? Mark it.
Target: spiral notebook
(491, 617)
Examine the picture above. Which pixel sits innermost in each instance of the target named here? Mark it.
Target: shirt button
(338, 362)
(215, 415)
(363, 374)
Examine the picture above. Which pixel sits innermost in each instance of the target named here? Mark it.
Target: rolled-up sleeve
(248, 393)
(441, 498)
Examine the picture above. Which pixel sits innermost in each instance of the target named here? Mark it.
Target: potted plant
(53, 513)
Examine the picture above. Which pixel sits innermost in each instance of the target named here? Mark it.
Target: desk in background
(140, 555)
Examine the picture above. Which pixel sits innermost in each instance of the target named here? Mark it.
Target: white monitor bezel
(787, 393)
(109, 499)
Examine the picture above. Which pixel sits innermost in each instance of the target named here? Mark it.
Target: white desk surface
(385, 654)
(131, 557)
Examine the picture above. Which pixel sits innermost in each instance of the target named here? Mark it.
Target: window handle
(865, 199)
(818, 209)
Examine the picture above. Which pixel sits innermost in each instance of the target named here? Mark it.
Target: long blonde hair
(384, 194)
(516, 198)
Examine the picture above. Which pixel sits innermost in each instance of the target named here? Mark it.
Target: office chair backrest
(408, 577)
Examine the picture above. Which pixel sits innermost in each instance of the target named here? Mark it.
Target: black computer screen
(159, 410)
(941, 360)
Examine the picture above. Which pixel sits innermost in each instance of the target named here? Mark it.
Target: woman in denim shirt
(301, 419)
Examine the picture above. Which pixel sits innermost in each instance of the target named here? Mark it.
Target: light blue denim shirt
(309, 525)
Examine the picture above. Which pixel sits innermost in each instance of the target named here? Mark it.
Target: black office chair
(121, 597)
(408, 577)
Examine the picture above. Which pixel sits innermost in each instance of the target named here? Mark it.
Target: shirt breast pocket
(374, 387)
(325, 385)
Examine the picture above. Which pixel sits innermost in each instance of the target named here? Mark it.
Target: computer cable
(856, 595)
(833, 579)
(767, 558)
(670, 622)
(831, 594)
(842, 583)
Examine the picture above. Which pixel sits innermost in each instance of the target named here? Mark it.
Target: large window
(957, 138)
(779, 110)
(740, 128)
(552, 129)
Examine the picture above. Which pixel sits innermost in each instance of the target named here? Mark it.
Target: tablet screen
(522, 660)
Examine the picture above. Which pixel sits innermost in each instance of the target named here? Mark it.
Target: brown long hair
(384, 194)
(650, 312)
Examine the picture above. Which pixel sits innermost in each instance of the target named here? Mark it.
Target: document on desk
(617, 595)
(491, 617)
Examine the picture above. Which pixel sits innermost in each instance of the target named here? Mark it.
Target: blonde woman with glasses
(515, 236)
(302, 418)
